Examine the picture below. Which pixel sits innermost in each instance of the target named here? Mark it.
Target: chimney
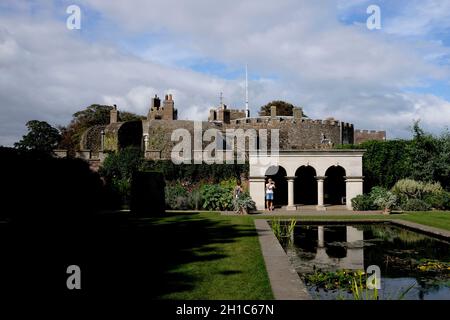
(297, 113)
(273, 112)
(113, 115)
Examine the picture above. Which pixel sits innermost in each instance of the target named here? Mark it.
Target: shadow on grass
(118, 255)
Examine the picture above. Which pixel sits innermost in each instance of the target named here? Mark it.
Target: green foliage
(363, 202)
(359, 288)
(194, 173)
(283, 230)
(216, 197)
(177, 197)
(122, 164)
(425, 158)
(382, 198)
(385, 162)
(438, 200)
(118, 168)
(416, 205)
(244, 203)
(378, 198)
(434, 266)
(41, 137)
(412, 189)
(340, 279)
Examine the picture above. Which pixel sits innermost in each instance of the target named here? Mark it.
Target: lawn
(208, 256)
(438, 219)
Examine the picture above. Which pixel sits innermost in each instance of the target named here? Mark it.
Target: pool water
(398, 252)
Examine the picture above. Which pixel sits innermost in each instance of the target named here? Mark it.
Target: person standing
(238, 190)
(270, 186)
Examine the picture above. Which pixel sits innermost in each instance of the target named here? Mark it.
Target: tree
(41, 137)
(283, 108)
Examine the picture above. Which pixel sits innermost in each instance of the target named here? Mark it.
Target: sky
(319, 55)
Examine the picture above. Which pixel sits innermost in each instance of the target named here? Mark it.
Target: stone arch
(334, 185)
(278, 175)
(305, 185)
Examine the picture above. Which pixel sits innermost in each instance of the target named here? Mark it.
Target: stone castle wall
(295, 134)
(366, 135)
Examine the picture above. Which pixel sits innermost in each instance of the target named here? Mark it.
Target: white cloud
(300, 50)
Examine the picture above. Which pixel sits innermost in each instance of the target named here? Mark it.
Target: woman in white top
(270, 186)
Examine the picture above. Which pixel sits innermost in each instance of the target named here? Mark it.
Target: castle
(310, 170)
(153, 135)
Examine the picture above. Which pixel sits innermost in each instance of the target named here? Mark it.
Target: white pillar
(353, 187)
(257, 186)
(291, 205)
(320, 205)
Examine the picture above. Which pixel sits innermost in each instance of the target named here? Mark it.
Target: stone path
(285, 282)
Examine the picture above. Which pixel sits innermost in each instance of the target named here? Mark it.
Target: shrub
(438, 200)
(416, 205)
(412, 189)
(176, 197)
(244, 203)
(382, 198)
(363, 202)
(122, 187)
(216, 197)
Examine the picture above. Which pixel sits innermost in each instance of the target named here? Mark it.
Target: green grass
(219, 258)
(438, 219)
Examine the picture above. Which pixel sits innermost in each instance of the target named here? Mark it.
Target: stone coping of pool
(284, 280)
(433, 231)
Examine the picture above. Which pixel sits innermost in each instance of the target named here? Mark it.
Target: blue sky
(316, 54)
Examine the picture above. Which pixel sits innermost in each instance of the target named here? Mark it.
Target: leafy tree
(118, 168)
(41, 137)
(283, 108)
(424, 158)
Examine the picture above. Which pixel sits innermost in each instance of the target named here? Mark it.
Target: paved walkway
(311, 211)
(284, 280)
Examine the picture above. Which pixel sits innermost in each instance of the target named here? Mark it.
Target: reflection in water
(395, 250)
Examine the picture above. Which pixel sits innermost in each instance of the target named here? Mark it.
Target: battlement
(366, 135)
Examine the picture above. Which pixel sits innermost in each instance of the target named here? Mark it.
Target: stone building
(305, 140)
